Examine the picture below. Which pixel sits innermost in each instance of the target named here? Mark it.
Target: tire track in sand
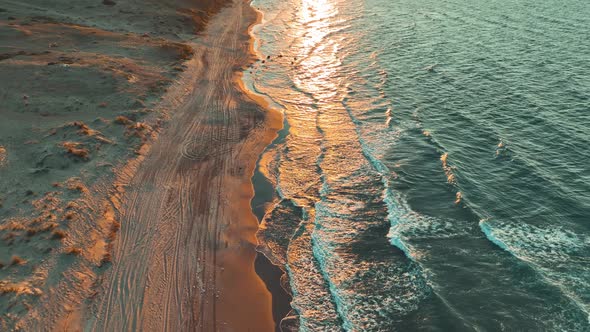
(183, 258)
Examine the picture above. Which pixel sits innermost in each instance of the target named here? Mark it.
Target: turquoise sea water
(434, 171)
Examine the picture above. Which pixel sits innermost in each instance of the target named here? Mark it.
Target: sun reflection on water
(314, 16)
(317, 71)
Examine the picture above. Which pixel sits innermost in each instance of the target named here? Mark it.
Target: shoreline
(274, 275)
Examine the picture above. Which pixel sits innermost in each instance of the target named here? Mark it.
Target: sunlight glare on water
(414, 188)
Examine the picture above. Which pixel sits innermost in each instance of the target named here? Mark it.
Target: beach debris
(52, 45)
(74, 149)
(84, 129)
(108, 2)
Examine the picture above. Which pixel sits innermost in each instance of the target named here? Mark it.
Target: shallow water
(433, 173)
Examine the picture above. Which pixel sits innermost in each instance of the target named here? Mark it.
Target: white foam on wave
(365, 292)
(555, 252)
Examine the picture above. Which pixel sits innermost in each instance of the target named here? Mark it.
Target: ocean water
(434, 169)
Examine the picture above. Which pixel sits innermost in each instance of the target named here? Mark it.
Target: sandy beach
(294, 165)
(127, 147)
(187, 207)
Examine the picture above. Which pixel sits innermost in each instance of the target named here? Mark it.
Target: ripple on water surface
(435, 164)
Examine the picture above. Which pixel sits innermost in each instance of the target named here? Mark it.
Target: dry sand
(125, 169)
